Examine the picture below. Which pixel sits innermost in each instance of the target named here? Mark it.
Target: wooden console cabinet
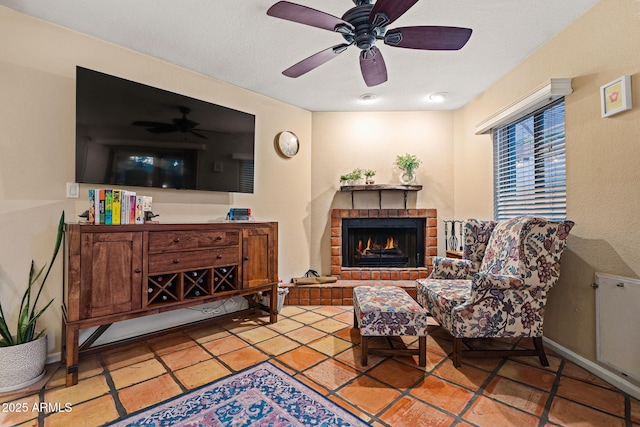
(120, 272)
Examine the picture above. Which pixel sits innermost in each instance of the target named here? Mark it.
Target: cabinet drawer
(187, 260)
(167, 241)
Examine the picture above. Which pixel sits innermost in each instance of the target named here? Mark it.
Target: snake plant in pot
(23, 349)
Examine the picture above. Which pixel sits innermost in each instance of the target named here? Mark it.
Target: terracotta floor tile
(409, 412)
(202, 373)
(181, 358)
(19, 411)
(257, 335)
(242, 324)
(308, 317)
(330, 345)
(330, 325)
(554, 362)
(530, 375)
(148, 393)
(348, 334)
(292, 310)
(127, 356)
(351, 408)
(396, 374)
(346, 317)
(332, 310)
(170, 343)
(518, 395)
(328, 361)
(567, 413)
(95, 412)
(139, 372)
(368, 394)
(442, 394)
(243, 358)
(277, 345)
(305, 334)
(635, 410)
(574, 371)
(301, 358)
(225, 345)
(285, 325)
(84, 390)
(466, 376)
(592, 395)
(486, 412)
(208, 333)
(353, 358)
(331, 374)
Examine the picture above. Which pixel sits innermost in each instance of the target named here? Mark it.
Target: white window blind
(530, 165)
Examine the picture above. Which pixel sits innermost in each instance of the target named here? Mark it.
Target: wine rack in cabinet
(121, 272)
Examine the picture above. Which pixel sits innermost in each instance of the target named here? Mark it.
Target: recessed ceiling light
(368, 97)
(438, 97)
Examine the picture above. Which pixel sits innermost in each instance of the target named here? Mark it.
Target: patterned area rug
(259, 396)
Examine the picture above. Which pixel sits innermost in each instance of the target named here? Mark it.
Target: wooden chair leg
(422, 351)
(457, 352)
(365, 349)
(537, 342)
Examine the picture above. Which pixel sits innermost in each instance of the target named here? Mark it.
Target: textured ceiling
(236, 42)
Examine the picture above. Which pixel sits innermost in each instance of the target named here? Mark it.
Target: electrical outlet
(73, 190)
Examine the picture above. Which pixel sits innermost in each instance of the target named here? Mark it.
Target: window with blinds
(530, 165)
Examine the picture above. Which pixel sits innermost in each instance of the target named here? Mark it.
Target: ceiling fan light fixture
(438, 97)
(368, 97)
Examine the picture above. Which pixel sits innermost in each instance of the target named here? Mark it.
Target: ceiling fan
(363, 25)
(180, 124)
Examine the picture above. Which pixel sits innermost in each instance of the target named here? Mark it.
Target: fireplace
(383, 244)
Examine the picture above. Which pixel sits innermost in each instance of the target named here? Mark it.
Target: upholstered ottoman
(384, 311)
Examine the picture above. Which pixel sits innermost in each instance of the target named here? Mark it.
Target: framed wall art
(615, 96)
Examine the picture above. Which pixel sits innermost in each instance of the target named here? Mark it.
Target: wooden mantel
(380, 188)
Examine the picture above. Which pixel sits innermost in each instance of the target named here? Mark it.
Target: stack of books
(110, 206)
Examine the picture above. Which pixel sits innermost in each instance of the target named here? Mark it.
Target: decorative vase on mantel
(23, 364)
(407, 177)
(407, 163)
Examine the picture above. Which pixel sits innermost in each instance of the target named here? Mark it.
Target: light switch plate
(73, 190)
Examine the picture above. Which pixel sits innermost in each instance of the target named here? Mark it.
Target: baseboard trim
(597, 370)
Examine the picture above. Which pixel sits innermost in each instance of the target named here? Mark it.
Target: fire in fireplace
(383, 242)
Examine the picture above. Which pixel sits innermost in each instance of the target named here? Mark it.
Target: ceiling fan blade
(384, 12)
(428, 37)
(306, 15)
(374, 70)
(197, 134)
(314, 61)
(162, 129)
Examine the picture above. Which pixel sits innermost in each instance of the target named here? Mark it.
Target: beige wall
(37, 151)
(603, 160)
(345, 141)
(37, 146)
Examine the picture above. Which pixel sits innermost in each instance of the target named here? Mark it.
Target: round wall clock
(287, 144)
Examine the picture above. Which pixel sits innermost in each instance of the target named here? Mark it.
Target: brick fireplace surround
(341, 292)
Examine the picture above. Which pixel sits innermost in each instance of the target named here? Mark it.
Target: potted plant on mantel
(23, 355)
(408, 164)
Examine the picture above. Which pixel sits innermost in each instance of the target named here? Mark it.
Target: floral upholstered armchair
(500, 287)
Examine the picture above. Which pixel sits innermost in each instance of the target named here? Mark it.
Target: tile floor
(318, 345)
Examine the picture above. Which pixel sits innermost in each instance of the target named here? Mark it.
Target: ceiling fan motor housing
(366, 33)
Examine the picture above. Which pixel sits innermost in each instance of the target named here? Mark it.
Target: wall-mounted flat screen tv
(131, 134)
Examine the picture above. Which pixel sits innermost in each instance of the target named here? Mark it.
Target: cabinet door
(110, 273)
(259, 254)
